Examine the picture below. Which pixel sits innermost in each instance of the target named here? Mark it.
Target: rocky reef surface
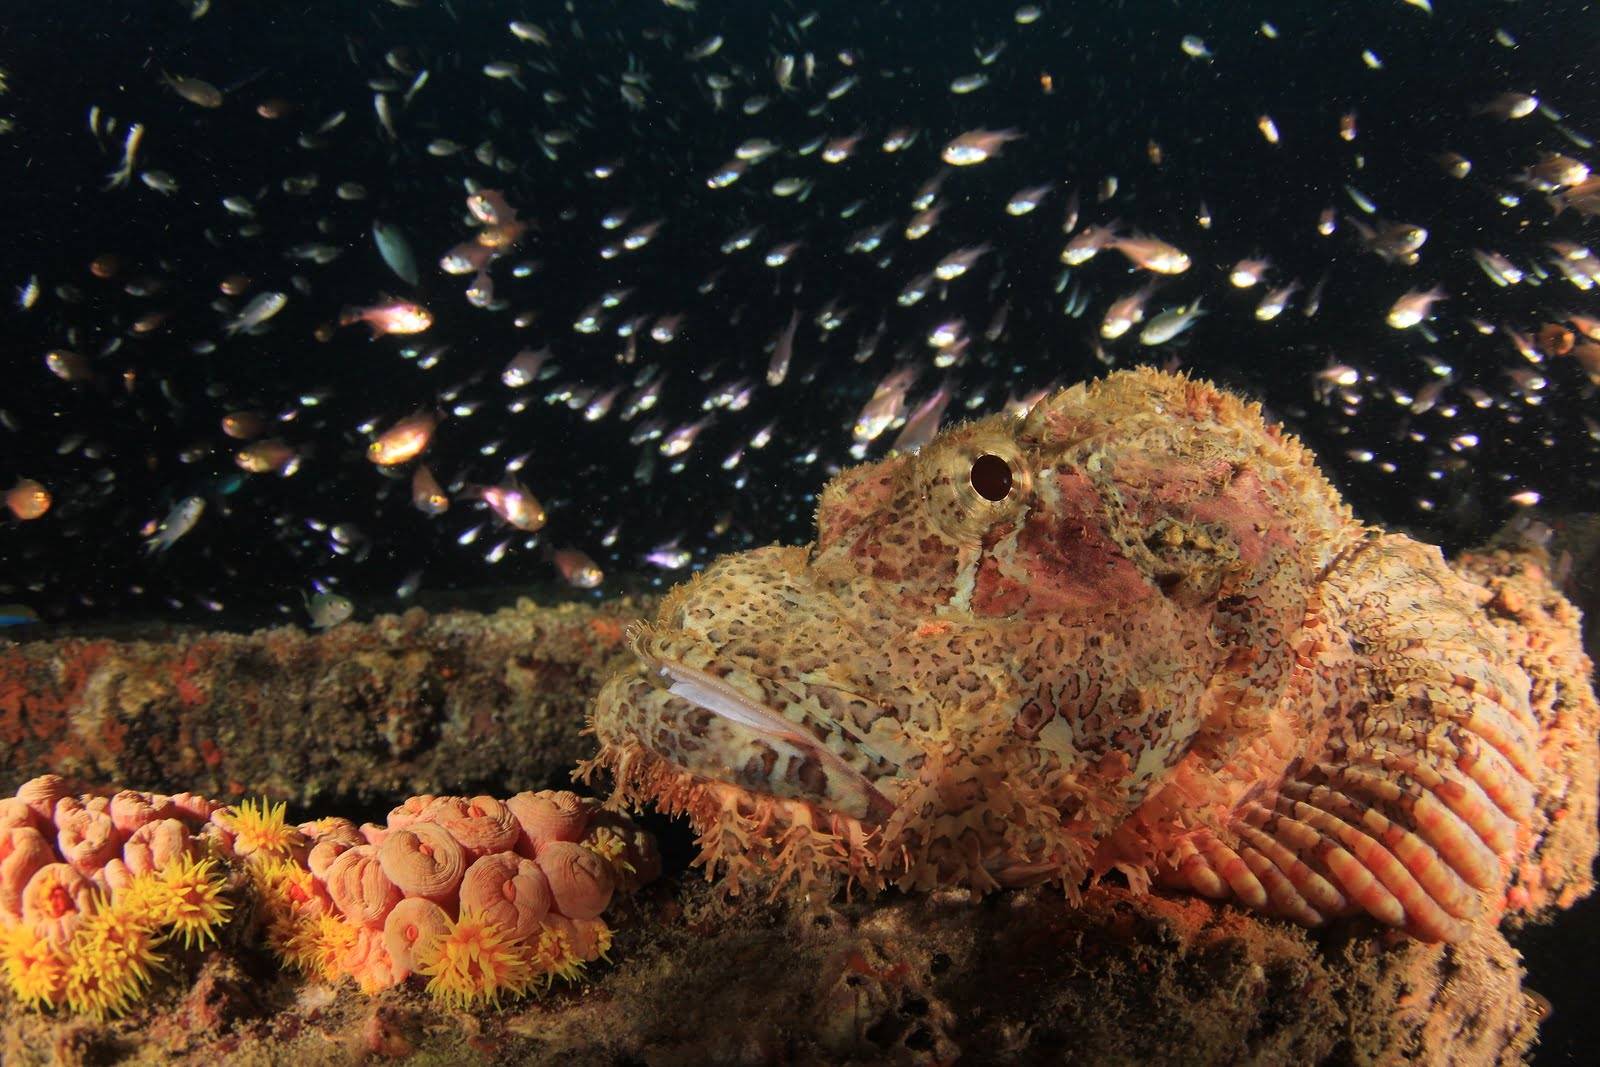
(365, 715)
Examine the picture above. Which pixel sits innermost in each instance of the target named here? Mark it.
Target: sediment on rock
(1016, 977)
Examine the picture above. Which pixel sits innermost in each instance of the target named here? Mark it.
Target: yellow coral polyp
(474, 961)
(260, 829)
(192, 899)
(185, 895)
(323, 944)
(110, 958)
(609, 846)
(34, 968)
(556, 957)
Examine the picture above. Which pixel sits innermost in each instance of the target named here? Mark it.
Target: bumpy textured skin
(1167, 649)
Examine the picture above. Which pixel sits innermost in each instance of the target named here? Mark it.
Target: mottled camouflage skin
(1137, 630)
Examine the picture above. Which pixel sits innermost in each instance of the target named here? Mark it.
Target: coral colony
(478, 899)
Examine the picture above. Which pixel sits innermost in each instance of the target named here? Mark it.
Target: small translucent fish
(427, 496)
(396, 251)
(179, 521)
(976, 146)
(197, 92)
(1413, 307)
(1025, 200)
(327, 610)
(1361, 200)
(17, 615)
(263, 307)
(514, 505)
(1170, 323)
(577, 569)
(404, 441)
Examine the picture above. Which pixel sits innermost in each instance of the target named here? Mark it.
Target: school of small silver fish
(435, 294)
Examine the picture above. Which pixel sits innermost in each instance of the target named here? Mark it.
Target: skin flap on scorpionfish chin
(1135, 631)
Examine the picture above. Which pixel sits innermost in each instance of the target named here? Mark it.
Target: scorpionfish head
(994, 651)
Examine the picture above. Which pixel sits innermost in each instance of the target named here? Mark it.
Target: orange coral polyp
(412, 923)
(155, 844)
(581, 881)
(188, 898)
(548, 816)
(261, 828)
(474, 962)
(482, 825)
(35, 969)
(109, 960)
(327, 941)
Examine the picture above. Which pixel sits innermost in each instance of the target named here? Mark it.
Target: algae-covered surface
(693, 976)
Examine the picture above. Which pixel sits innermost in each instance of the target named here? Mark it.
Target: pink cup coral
(510, 890)
(92, 888)
(423, 860)
(480, 898)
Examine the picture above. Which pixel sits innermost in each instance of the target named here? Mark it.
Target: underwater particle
(474, 961)
(34, 968)
(259, 828)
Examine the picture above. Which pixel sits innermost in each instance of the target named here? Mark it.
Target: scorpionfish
(1135, 631)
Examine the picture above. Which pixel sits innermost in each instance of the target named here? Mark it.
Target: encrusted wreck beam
(363, 713)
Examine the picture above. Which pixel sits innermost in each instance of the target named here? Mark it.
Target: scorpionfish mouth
(739, 682)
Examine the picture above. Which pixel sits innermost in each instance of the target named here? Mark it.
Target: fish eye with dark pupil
(991, 477)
